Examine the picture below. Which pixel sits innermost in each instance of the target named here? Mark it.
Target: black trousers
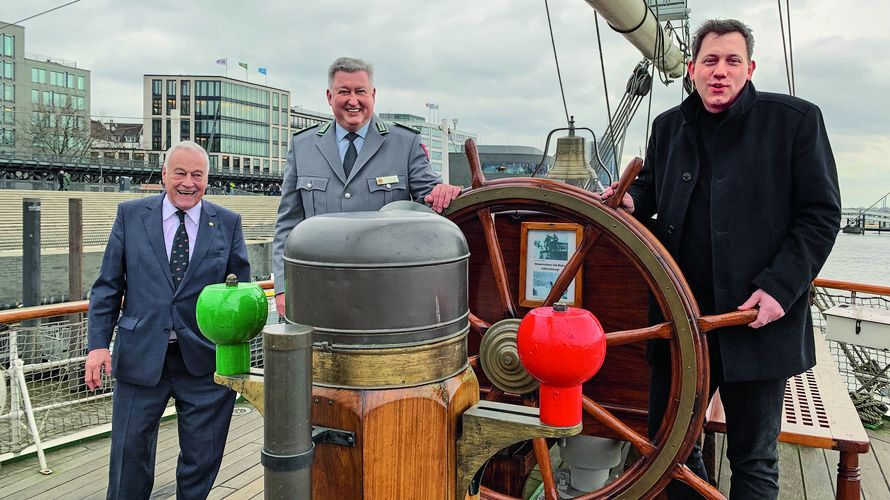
(753, 422)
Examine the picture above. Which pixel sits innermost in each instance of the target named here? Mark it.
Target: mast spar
(638, 24)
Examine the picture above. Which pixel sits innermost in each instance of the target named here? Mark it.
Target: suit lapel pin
(210, 223)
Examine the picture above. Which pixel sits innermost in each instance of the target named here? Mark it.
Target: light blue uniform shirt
(343, 142)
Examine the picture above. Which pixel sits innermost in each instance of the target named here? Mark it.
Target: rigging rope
(787, 50)
(609, 139)
(558, 74)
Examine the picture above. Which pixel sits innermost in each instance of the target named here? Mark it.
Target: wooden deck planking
(81, 470)
(819, 473)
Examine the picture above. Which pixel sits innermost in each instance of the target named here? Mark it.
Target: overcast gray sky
(488, 63)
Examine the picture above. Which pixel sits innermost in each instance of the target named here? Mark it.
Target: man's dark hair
(722, 27)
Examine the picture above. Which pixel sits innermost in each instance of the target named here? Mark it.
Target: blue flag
(261, 71)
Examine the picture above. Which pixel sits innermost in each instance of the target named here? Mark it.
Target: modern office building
(244, 126)
(44, 101)
(301, 118)
(439, 139)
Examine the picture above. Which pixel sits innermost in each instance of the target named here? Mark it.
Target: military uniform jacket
(391, 166)
(775, 213)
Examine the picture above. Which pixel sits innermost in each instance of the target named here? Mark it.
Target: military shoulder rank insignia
(305, 129)
(324, 128)
(381, 127)
(409, 127)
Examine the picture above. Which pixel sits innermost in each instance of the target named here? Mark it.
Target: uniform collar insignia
(324, 128)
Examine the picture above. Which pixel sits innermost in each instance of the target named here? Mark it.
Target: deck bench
(818, 413)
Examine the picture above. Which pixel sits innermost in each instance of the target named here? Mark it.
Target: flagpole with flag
(225, 62)
(244, 65)
(265, 73)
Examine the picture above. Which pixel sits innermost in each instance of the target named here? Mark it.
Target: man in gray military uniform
(355, 163)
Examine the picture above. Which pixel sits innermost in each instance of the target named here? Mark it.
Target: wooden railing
(81, 306)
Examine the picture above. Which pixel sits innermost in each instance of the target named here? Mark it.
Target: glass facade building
(37, 92)
(243, 126)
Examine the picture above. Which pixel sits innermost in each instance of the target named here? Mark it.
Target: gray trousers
(753, 422)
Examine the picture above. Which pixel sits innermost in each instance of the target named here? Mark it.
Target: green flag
(243, 65)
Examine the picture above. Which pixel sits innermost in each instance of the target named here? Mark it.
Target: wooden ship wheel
(618, 264)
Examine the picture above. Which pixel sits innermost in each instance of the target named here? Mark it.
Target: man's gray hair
(189, 145)
(722, 27)
(350, 65)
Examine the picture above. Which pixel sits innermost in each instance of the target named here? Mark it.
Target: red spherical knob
(562, 348)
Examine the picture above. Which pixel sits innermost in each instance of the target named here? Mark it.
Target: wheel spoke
(498, 268)
(568, 273)
(475, 165)
(542, 454)
(493, 394)
(704, 488)
(659, 331)
(478, 325)
(627, 178)
(735, 318)
(642, 444)
(473, 361)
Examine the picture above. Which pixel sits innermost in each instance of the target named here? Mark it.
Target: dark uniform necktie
(179, 254)
(351, 153)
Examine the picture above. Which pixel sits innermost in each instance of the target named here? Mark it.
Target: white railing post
(32, 422)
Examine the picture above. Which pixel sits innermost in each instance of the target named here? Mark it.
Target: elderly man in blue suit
(163, 250)
(354, 163)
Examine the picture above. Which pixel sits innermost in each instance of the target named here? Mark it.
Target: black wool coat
(775, 214)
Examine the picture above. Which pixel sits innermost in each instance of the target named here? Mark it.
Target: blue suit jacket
(136, 269)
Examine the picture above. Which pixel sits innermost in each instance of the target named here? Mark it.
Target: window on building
(214, 162)
(185, 130)
(8, 137)
(185, 106)
(8, 46)
(284, 101)
(171, 88)
(69, 80)
(81, 83)
(156, 106)
(47, 98)
(156, 135)
(274, 99)
(156, 88)
(225, 162)
(9, 116)
(171, 104)
(8, 92)
(8, 70)
(167, 135)
(35, 96)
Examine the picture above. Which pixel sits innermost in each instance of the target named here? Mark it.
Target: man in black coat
(745, 190)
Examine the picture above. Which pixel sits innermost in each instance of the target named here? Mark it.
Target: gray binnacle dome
(387, 238)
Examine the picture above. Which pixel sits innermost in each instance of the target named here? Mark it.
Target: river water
(862, 258)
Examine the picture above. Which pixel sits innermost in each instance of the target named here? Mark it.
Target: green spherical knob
(230, 314)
